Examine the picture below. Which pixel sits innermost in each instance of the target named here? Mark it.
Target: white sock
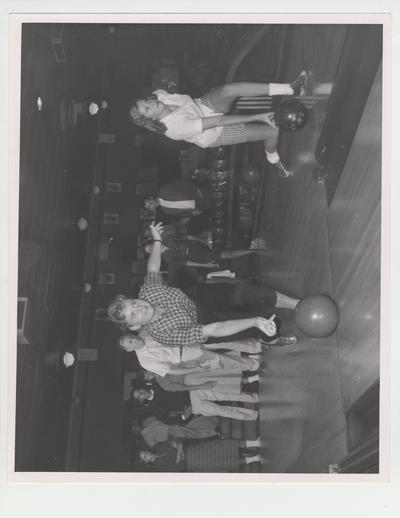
(273, 158)
(323, 89)
(280, 89)
(252, 379)
(253, 458)
(253, 444)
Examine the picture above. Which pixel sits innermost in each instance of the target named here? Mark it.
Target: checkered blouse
(178, 324)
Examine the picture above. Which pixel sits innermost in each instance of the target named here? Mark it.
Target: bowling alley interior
(85, 173)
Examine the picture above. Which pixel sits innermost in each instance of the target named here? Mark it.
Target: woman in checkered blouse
(168, 316)
(205, 122)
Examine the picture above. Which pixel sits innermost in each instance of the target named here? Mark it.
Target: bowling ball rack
(235, 197)
(240, 203)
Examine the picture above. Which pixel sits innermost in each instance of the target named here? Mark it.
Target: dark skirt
(218, 455)
(223, 296)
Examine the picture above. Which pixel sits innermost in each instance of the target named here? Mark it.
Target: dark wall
(128, 60)
(120, 70)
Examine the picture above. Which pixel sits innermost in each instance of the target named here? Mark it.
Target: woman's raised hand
(156, 230)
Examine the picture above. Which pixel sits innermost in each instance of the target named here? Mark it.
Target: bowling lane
(301, 418)
(301, 423)
(337, 251)
(355, 230)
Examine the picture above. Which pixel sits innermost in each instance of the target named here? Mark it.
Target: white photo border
(389, 188)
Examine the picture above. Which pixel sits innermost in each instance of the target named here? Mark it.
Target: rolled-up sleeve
(184, 336)
(160, 93)
(154, 279)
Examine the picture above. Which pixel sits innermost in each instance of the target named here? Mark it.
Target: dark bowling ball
(291, 115)
(220, 185)
(219, 165)
(218, 176)
(220, 152)
(219, 214)
(317, 316)
(222, 176)
(250, 174)
(218, 195)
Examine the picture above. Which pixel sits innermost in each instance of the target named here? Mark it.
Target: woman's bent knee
(222, 97)
(224, 91)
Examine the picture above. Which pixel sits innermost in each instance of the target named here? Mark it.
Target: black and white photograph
(199, 247)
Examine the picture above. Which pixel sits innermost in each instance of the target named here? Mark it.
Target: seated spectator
(155, 431)
(214, 456)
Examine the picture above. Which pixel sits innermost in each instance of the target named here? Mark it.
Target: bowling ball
(317, 316)
(220, 152)
(218, 195)
(218, 176)
(291, 115)
(219, 214)
(219, 184)
(250, 174)
(219, 165)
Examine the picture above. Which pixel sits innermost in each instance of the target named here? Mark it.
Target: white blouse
(184, 123)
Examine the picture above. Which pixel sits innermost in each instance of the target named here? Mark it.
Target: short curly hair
(140, 120)
(116, 310)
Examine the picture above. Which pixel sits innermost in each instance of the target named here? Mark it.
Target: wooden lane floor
(335, 250)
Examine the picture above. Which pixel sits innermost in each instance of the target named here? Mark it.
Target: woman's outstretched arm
(231, 327)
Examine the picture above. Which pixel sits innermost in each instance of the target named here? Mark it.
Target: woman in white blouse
(205, 122)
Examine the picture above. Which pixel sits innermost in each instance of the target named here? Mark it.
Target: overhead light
(68, 359)
(82, 223)
(93, 108)
(39, 104)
